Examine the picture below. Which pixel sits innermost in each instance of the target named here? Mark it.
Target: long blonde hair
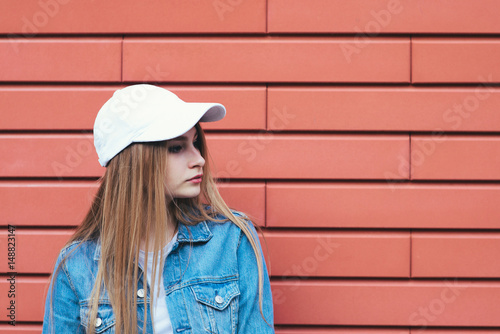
(129, 205)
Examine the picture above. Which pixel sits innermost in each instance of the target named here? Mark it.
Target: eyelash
(175, 149)
(178, 148)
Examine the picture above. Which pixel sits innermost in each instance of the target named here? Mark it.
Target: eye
(175, 148)
(197, 143)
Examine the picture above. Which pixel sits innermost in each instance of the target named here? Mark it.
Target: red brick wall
(362, 134)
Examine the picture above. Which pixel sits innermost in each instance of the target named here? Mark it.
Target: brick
(452, 254)
(357, 330)
(386, 303)
(257, 59)
(383, 109)
(246, 197)
(344, 254)
(36, 250)
(383, 16)
(75, 107)
(31, 17)
(391, 205)
(30, 297)
(52, 107)
(455, 60)
(455, 157)
(57, 155)
(455, 330)
(60, 59)
(276, 156)
(51, 203)
(21, 329)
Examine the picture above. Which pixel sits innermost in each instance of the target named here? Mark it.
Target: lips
(196, 179)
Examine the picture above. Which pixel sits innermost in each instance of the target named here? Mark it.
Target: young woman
(159, 251)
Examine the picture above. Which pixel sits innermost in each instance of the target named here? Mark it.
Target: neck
(171, 230)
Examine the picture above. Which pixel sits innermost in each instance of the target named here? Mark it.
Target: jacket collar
(195, 233)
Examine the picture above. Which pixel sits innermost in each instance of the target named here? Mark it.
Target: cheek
(174, 170)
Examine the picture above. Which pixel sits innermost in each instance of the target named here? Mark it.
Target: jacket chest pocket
(105, 320)
(217, 304)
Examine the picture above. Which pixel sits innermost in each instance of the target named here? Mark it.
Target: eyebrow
(180, 138)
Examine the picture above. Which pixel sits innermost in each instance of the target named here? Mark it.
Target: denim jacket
(210, 279)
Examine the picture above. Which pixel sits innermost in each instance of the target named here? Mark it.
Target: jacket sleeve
(250, 320)
(62, 309)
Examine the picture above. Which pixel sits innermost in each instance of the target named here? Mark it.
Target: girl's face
(184, 166)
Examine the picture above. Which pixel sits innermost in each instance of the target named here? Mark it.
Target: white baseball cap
(146, 113)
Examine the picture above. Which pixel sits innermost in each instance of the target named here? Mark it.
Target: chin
(184, 192)
(187, 194)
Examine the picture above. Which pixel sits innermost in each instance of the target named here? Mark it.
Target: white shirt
(161, 318)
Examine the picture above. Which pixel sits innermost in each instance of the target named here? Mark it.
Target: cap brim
(168, 128)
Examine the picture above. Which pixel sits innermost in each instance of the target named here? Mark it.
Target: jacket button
(140, 293)
(98, 322)
(219, 299)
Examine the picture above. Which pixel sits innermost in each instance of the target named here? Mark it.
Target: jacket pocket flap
(216, 295)
(105, 317)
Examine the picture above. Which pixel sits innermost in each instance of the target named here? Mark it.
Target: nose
(196, 159)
